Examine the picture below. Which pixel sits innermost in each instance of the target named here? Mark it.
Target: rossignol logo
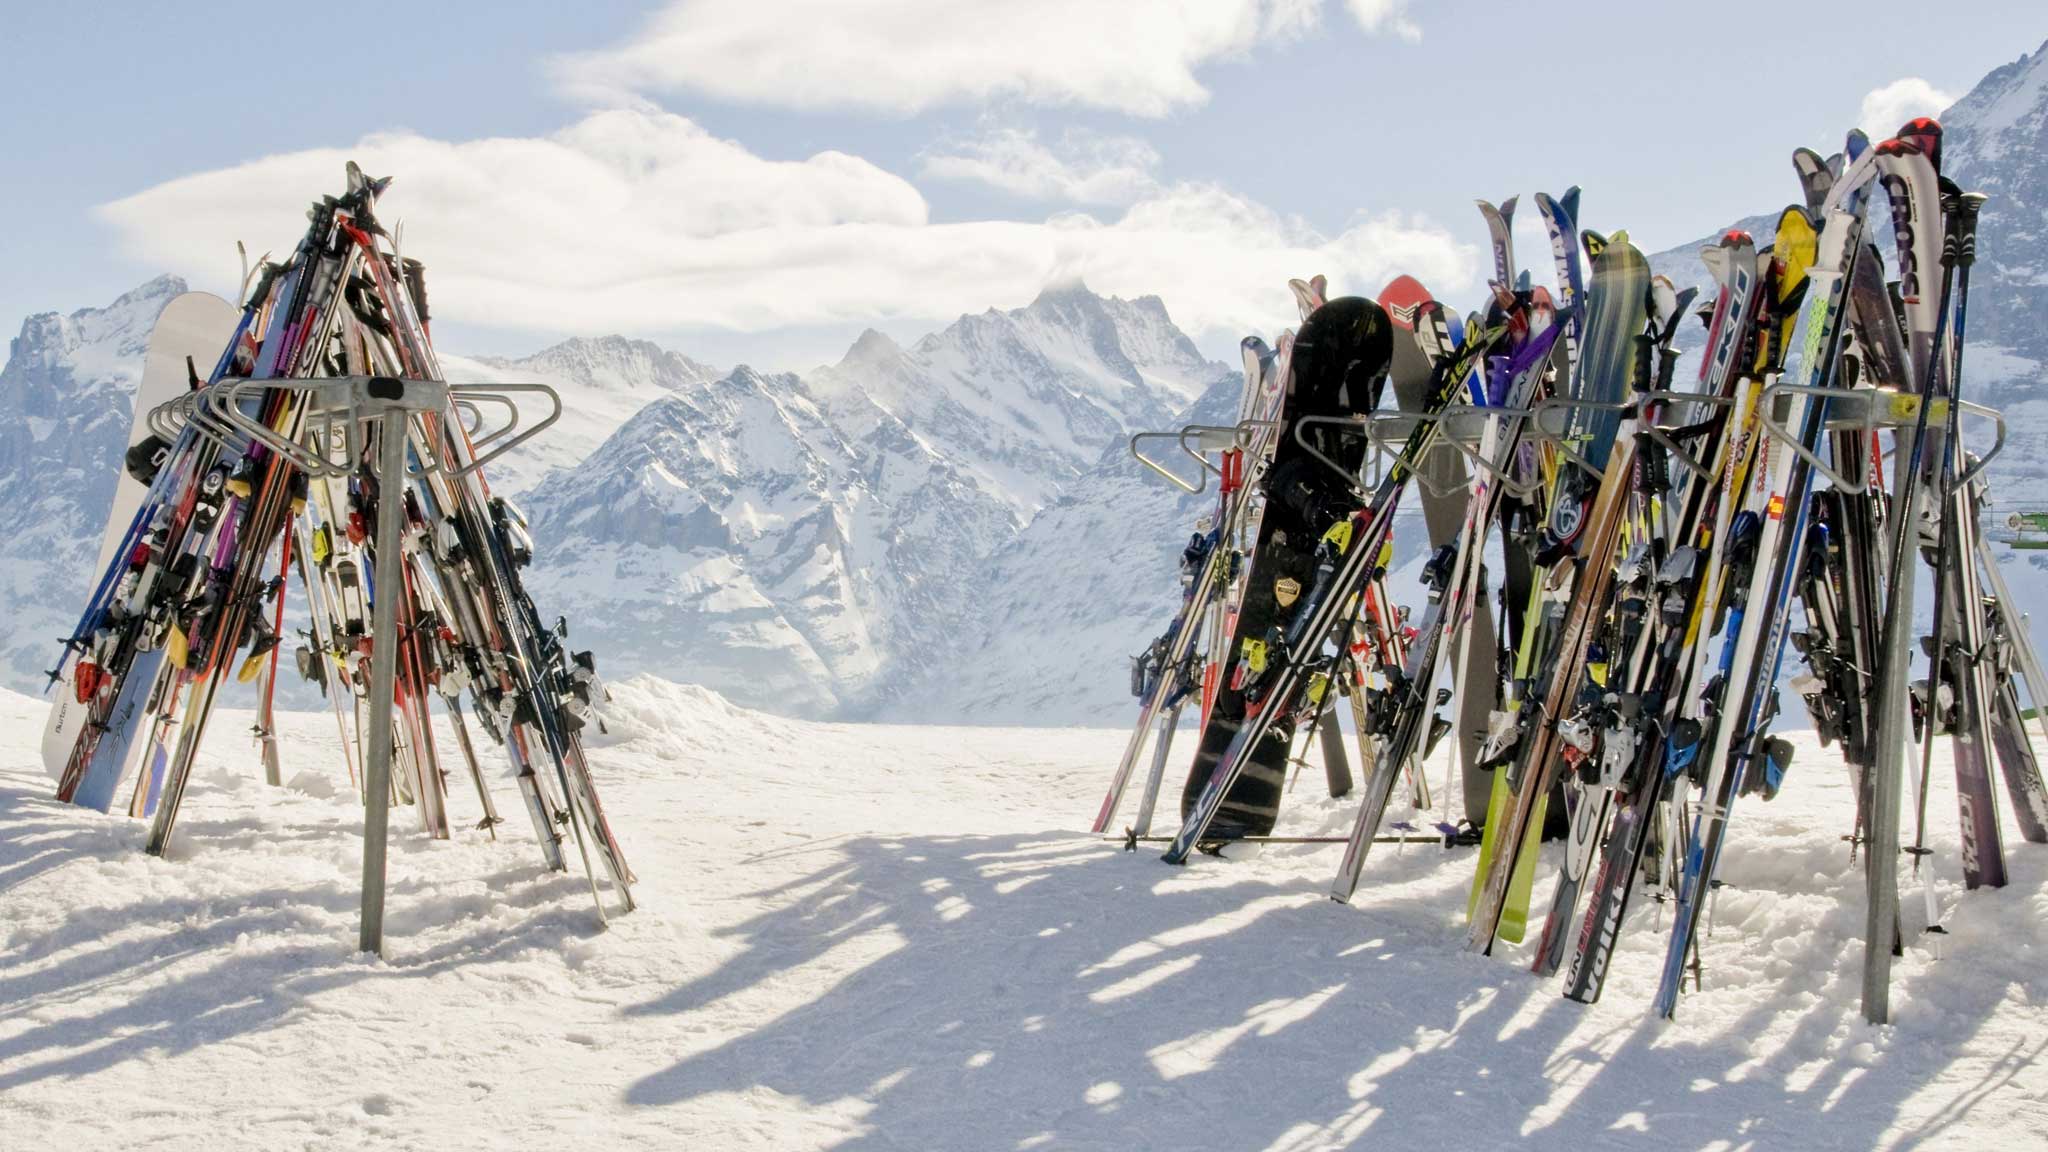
(1404, 315)
(1903, 211)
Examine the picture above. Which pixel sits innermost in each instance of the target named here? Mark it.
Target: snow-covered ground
(892, 937)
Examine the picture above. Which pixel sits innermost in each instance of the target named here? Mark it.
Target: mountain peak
(616, 363)
(871, 348)
(1062, 288)
(96, 337)
(159, 289)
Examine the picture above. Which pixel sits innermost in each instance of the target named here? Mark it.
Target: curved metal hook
(497, 392)
(1561, 440)
(1493, 414)
(1194, 489)
(1879, 408)
(1210, 438)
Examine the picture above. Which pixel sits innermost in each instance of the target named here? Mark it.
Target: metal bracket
(1467, 446)
(1880, 408)
(1196, 488)
(1363, 423)
(171, 417)
(470, 395)
(1206, 438)
(1561, 441)
(1661, 434)
(1390, 445)
(339, 406)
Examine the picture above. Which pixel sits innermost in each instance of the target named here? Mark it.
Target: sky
(758, 180)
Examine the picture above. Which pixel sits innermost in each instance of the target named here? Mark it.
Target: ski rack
(1370, 424)
(1208, 438)
(1881, 408)
(168, 418)
(1630, 407)
(1374, 424)
(347, 407)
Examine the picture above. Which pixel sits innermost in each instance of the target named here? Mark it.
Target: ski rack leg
(1206, 438)
(383, 672)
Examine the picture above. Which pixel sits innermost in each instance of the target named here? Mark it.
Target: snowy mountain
(809, 545)
(1087, 583)
(603, 382)
(821, 545)
(1997, 143)
(69, 386)
(1024, 399)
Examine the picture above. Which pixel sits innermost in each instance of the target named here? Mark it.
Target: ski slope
(866, 937)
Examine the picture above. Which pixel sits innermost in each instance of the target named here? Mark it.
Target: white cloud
(906, 56)
(1086, 168)
(639, 221)
(1388, 16)
(1885, 109)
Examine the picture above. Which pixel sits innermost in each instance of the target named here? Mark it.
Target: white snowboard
(196, 324)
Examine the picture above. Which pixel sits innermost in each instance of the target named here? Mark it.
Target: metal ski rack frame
(1241, 437)
(343, 410)
(1207, 438)
(1880, 408)
(1374, 425)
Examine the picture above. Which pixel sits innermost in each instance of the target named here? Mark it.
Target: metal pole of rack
(391, 435)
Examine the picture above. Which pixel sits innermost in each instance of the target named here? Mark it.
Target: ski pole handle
(1963, 228)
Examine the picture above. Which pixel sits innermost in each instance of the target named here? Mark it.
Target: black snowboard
(1339, 368)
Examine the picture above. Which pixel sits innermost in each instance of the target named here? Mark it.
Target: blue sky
(758, 179)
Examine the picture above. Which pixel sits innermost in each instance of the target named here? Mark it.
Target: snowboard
(195, 324)
(1338, 368)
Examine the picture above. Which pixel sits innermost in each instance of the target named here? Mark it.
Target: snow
(870, 936)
